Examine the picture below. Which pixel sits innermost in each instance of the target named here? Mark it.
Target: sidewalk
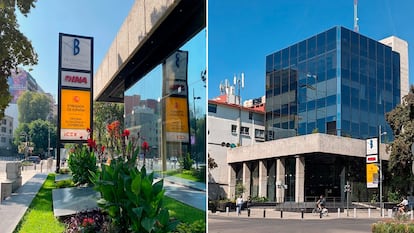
(187, 183)
(13, 208)
(272, 213)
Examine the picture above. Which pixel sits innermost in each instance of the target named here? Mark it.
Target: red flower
(102, 149)
(145, 145)
(91, 143)
(125, 133)
(87, 221)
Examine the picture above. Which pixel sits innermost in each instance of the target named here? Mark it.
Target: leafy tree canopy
(33, 106)
(401, 122)
(37, 134)
(15, 48)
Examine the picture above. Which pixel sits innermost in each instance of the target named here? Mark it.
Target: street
(220, 224)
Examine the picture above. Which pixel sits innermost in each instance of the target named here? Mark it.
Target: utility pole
(195, 128)
(239, 83)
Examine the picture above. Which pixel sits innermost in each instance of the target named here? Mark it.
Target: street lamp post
(195, 127)
(380, 166)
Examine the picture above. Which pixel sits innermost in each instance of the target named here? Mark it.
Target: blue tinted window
(331, 100)
(302, 51)
(277, 61)
(269, 63)
(285, 58)
(355, 43)
(363, 49)
(312, 47)
(320, 43)
(372, 54)
(380, 53)
(331, 39)
(293, 53)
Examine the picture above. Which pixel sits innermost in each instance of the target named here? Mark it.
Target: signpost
(347, 190)
(75, 91)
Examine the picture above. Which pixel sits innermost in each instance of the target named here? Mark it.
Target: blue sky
(242, 33)
(100, 19)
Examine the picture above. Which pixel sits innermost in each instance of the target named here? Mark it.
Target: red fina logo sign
(76, 79)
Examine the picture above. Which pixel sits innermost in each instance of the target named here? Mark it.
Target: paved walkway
(272, 213)
(187, 183)
(13, 208)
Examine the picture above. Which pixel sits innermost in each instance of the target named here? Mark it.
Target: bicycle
(317, 210)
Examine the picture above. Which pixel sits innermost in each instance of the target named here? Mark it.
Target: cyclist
(321, 203)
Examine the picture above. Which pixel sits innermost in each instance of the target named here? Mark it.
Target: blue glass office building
(337, 82)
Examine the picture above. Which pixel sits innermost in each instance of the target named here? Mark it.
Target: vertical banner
(75, 89)
(175, 92)
(175, 117)
(372, 175)
(371, 162)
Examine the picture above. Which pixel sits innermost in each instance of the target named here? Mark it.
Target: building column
(246, 180)
(232, 182)
(300, 179)
(262, 179)
(280, 180)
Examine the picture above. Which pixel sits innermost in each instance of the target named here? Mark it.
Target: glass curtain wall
(370, 84)
(302, 82)
(301, 88)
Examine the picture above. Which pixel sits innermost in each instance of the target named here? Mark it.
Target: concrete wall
(400, 46)
(219, 128)
(310, 143)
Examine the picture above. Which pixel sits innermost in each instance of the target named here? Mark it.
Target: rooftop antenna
(356, 27)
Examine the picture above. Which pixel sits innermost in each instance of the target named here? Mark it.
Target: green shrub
(394, 196)
(80, 162)
(64, 184)
(259, 199)
(186, 163)
(131, 199)
(198, 226)
(200, 173)
(393, 227)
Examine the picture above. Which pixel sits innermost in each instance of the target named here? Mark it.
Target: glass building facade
(337, 82)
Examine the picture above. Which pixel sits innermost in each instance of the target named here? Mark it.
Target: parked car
(34, 159)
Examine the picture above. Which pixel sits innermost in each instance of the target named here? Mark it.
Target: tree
(401, 122)
(104, 114)
(33, 106)
(211, 163)
(37, 134)
(22, 137)
(15, 48)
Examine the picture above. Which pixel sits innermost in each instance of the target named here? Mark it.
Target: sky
(100, 19)
(241, 33)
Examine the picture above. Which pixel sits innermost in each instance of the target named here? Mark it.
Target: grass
(183, 212)
(186, 174)
(39, 216)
